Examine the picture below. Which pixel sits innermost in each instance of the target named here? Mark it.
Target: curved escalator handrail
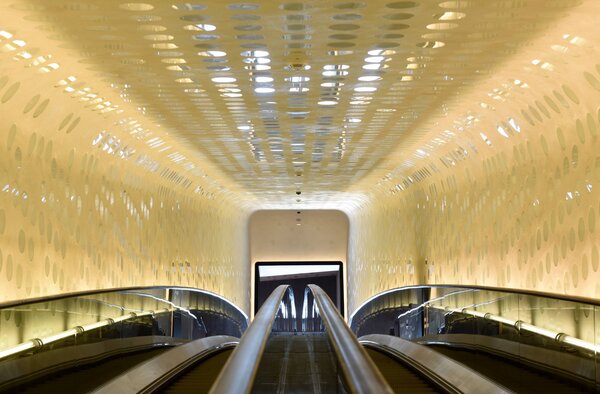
(237, 376)
(151, 375)
(446, 373)
(362, 376)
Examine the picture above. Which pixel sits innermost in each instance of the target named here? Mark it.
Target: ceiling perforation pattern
(502, 189)
(460, 136)
(276, 97)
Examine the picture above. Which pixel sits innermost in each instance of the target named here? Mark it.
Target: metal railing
(60, 332)
(551, 332)
(237, 376)
(445, 373)
(155, 374)
(360, 373)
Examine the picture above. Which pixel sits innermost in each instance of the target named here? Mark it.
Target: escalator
(327, 358)
(88, 377)
(297, 363)
(272, 357)
(306, 364)
(200, 377)
(82, 342)
(516, 376)
(401, 377)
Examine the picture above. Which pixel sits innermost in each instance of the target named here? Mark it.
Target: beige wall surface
(507, 194)
(286, 235)
(93, 198)
(103, 185)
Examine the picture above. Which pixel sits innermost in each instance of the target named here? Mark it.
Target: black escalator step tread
(201, 377)
(516, 377)
(400, 378)
(297, 364)
(88, 377)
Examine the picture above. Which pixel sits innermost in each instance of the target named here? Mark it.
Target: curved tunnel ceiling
(335, 99)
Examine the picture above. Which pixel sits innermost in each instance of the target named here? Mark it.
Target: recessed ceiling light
(264, 90)
(381, 52)
(200, 27)
(212, 53)
(257, 60)
(255, 53)
(374, 59)
(369, 78)
(258, 67)
(336, 67)
(374, 66)
(223, 79)
(263, 79)
(334, 73)
(365, 89)
(297, 79)
(328, 102)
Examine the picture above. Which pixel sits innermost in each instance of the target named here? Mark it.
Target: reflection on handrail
(562, 297)
(451, 376)
(426, 303)
(237, 376)
(187, 311)
(152, 375)
(520, 325)
(361, 374)
(37, 343)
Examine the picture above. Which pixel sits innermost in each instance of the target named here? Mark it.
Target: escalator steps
(88, 377)
(400, 378)
(297, 364)
(200, 378)
(517, 377)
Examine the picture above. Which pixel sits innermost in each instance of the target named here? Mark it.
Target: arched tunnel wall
(506, 194)
(498, 187)
(87, 204)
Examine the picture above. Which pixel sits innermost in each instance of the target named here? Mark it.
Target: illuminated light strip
(39, 342)
(560, 337)
(576, 342)
(60, 335)
(500, 319)
(214, 295)
(20, 348)
(521, 325)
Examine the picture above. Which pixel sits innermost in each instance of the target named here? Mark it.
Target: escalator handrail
(361, 374)
(450, 375)
(237, 376)
(154, 373)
